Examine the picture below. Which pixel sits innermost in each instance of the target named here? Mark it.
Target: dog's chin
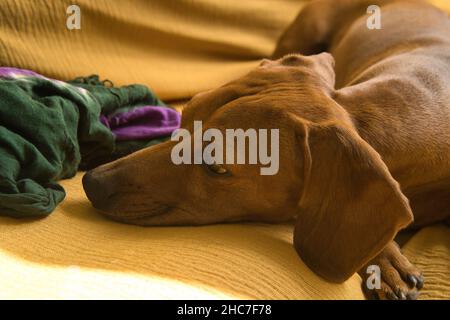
(137, 217)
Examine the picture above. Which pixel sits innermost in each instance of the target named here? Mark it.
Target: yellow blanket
(76, 253)
(178, 48)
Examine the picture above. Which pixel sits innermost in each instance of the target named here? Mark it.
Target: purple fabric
(143, 123)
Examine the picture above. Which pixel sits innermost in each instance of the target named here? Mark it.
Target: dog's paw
(399, 279)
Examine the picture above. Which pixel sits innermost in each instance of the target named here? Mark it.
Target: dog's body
(394, 83)
(356, 142)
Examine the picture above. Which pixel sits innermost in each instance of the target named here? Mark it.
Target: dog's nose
(96, 191)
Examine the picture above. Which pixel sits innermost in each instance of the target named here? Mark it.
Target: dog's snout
(96, 190)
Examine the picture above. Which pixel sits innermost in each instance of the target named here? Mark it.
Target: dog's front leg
(399, 278)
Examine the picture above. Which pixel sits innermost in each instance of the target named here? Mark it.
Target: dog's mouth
(135, 216)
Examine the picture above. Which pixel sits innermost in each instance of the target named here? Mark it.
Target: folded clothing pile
(49, 129)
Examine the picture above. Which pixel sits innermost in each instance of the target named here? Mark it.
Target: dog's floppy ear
(321, 64)
(350, 206)
(324, 66)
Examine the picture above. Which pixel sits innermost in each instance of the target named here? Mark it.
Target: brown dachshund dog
(364, 143)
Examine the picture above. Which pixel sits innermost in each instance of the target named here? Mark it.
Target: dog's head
(346, 203)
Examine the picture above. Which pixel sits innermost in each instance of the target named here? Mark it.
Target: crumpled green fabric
(49, 129)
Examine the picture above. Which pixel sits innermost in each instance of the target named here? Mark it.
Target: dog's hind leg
(319, 24)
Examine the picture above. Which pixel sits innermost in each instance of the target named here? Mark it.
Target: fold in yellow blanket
(178, 48)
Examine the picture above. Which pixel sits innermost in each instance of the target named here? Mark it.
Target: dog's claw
(400, 294)
(416, 281)
(412, 280)
(420, 282)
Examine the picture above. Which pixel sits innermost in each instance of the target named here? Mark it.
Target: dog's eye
(217, 169)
